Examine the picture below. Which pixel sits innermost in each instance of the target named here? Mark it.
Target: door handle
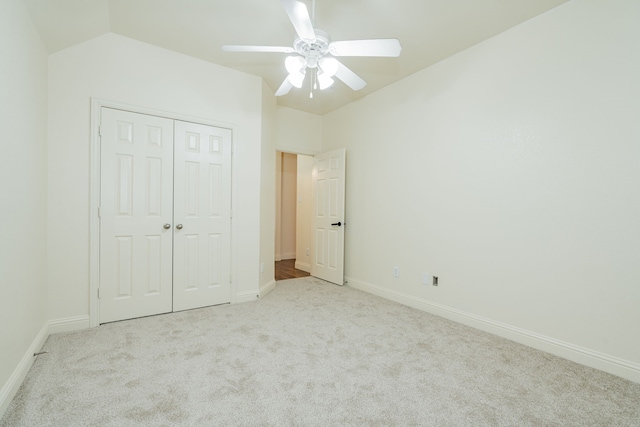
(179, 226)
(166, 226)
(337, 223)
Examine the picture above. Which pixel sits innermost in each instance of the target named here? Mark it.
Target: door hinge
(99, 130)
(99, 211)
(98, 293)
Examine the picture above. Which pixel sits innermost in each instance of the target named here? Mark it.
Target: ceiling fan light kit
(317, 53)
(295, 65)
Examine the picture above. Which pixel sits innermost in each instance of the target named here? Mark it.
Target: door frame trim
(94, 189)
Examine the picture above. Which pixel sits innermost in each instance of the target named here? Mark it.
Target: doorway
(293, 215)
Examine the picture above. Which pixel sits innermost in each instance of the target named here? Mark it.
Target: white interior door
(136, 206)
(328, 185)
(202, 212)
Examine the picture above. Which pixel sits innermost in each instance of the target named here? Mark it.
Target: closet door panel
(202, 212)
(136, 201)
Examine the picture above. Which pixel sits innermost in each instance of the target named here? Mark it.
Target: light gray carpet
(314, 354)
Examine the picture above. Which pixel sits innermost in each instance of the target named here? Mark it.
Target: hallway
(286, 269)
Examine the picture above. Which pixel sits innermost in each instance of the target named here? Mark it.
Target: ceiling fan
(315, 53)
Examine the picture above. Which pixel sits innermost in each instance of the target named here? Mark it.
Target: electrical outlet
(262, 267)
(307, 251)
(396, 271)
(426, 279)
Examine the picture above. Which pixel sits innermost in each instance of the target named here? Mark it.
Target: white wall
(23, 186)
(298, 132)
(278, 221)
(511, 171)
(120, 69)
(304, 213)
(268, 191)
(289, 177)
(285, 199)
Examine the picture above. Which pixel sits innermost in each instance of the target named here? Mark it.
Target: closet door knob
(166, 226)
(179, 226)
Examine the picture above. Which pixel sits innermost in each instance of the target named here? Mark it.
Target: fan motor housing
(313, 52)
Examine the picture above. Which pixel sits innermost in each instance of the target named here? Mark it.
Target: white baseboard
(266, 288)
(69, 324)
(10, 388)
(288, 255)
(304, 266)
(246, 296)
(594, 359)
(56, 326)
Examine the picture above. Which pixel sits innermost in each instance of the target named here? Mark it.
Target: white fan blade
(349, 78)
(379, 47)
(299, 16)
(284, 88)
(270, 49)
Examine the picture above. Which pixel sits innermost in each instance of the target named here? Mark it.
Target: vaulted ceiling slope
(429, 31)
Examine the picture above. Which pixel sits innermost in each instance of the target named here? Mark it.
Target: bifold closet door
(136, 209)
(202, 216)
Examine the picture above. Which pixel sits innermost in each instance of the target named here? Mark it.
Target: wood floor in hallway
(286, 269)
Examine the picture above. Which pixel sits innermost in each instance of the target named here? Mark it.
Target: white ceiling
(429, 31)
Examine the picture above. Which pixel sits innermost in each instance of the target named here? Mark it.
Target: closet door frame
(94, 189)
